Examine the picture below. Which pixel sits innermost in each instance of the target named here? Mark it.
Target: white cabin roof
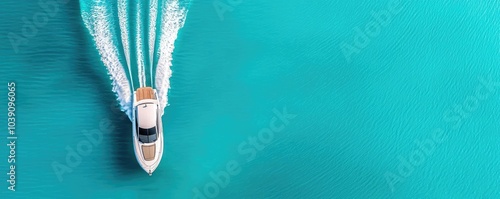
(146, 115)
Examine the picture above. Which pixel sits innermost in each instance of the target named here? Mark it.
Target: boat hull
(148, 155)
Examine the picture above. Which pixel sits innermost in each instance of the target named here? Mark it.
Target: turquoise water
(405, 109)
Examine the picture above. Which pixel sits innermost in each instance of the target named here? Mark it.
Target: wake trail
(172, 20)
(153, 13)
(165, 21)
(124, 30)
(99, 22)
(138, 42)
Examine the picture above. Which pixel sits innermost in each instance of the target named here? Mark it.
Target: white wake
(153, 13)
(172, 20)
(138, 46)
(99, 22)
(124, 30)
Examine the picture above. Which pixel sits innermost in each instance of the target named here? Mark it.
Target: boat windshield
(147, 135)
(146, 122)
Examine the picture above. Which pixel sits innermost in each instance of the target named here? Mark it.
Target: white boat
(147, 129)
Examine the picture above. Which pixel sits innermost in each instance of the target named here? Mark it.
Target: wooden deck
(149, 152)
(144, 93)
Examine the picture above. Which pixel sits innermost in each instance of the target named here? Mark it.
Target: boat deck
(144, 93)
(149, 152)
